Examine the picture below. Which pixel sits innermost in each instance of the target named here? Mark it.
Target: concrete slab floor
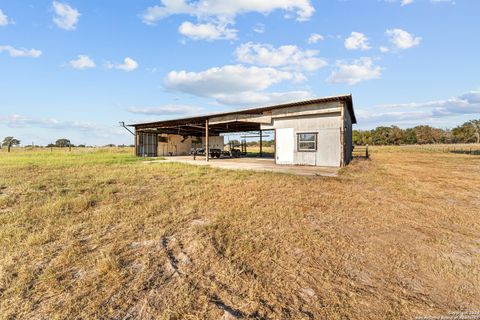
(255, 164)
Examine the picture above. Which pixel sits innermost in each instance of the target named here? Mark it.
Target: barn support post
(261, 150)
(342, 135)
(136, 143)
(207, 148)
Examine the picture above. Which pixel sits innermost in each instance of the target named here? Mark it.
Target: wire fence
(360, 152)
(470, 149)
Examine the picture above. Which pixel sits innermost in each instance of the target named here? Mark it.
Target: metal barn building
(315, 132)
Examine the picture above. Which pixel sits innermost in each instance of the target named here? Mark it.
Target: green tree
(476, 129)
(367, 137)
(410, 136)
(424, 134)
(357, 136)
(439, 135)
(467, 132)
(447, 136)
(62, 143)
(235, 143)
(9, 142)
(362, 137)
(396, 136)
(380, 136)
(268, 143)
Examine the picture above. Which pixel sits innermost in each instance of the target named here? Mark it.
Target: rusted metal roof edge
(201, 118)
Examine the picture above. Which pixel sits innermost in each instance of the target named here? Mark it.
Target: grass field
(101, 234)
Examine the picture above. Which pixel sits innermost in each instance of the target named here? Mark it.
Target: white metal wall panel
(328, 148)
(327, 128)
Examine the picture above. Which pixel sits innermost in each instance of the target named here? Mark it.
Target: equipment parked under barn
(314, 132)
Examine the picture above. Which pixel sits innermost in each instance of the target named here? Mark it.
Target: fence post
(366, 151)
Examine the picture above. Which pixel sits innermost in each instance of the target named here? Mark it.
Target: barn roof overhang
(234, 121)
(198, 128)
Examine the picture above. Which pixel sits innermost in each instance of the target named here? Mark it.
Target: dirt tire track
(213, 298)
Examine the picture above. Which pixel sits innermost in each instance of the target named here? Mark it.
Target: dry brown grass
(101, 235)
(256, 149)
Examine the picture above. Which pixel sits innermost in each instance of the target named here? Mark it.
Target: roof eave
(345, 98)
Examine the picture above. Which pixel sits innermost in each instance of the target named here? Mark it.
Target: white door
(285, 144)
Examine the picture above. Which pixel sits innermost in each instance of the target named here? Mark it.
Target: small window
(307, 141)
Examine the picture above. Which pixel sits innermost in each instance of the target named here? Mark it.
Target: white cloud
(421, 112)
(360, 70)
(215, 18)
(167, 110)
(19, 121)
(259, 28)
(402, 39)
(402, 2)
(3, 19)
(357, 41)
(207, 31)
(371, 117)
(77, 131)
(472, 97)
(384, 49)
(314, 38)
(128, 65)
(289, 57)
(65, 16)
(225, 80)
(168, 8)
(231, 84)
(226, 10)
(83, 62)
(22, 52)
(252, 98)
(407, 2)
(467, 103)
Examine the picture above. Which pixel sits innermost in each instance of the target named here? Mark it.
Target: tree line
(469, 132)
(265, 143)
(9, 142)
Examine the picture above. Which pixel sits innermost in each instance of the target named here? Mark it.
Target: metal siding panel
(328, 138)
(348, 138)
(328, 152)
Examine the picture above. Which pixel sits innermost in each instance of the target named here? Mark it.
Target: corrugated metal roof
(256, 110)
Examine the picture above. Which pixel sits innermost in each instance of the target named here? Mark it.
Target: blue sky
(75, 68)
